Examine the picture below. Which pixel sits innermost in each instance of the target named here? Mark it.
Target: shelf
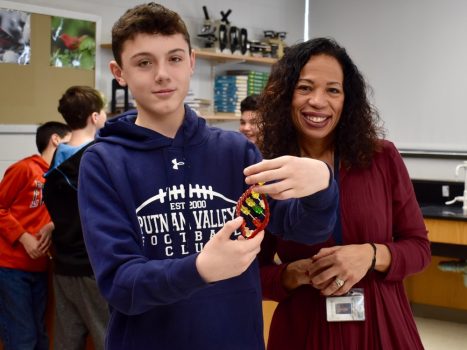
(226, 58)
(225, 117)
(221, 117)
(222, 57)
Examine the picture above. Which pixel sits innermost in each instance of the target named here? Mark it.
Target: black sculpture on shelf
(208, 31)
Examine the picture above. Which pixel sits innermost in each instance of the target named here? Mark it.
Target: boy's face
(157, 70)
(248, 125)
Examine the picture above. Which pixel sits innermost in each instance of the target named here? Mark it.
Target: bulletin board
(29, 93)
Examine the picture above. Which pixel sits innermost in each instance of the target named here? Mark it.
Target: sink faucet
(463, 198)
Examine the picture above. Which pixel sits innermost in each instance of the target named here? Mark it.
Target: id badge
(349, 307)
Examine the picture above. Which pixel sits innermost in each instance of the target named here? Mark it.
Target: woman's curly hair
(358, 130)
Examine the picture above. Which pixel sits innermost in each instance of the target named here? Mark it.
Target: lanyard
(338, 227)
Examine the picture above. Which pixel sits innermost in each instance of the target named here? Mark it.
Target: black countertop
(444, 212)
(432, 196)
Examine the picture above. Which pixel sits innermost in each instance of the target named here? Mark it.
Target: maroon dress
(378, 205)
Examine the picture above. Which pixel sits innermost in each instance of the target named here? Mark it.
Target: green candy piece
(258, 210)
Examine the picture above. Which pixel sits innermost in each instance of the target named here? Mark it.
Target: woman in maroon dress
(316, 105)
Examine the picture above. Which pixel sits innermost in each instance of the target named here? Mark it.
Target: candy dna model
(254, 209)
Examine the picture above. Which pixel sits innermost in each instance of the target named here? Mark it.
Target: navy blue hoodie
(148, 204)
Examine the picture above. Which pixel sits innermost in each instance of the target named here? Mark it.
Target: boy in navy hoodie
(157, 194)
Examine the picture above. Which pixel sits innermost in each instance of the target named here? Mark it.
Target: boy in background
(157, 200)
(248, 124)
(80, 309)
(25, 230)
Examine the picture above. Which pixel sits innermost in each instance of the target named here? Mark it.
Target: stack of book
(256, 82)
(230, 89)
(201, 106)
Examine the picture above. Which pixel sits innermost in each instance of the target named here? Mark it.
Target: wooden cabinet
(447, 231)
(433, 286)
(269, 307)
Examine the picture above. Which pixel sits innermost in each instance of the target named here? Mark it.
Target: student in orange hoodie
(25, 229)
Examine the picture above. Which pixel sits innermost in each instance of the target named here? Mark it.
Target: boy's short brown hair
(148, 18)
(45, 131)
(78, 103)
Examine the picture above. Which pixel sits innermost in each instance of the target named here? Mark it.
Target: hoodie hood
(37, 159)
(122, 130)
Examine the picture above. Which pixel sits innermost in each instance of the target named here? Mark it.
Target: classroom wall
(16, 142)
(413, 55)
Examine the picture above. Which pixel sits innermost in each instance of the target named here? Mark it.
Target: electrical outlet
(445, 190)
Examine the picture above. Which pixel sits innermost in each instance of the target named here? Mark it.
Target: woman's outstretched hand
(288, 177)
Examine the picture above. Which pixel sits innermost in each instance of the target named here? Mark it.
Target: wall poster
(73, 43)
(15, 32)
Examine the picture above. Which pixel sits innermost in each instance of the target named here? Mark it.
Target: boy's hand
(288, 177)
(30, 244)
(44, 236)
(224, 258)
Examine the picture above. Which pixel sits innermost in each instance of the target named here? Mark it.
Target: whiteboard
(413, 53)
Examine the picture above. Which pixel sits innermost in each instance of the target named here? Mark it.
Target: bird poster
(15, 32)
(73, 43)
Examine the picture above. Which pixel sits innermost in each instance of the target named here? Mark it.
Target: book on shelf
(198, 104)
(234, 86)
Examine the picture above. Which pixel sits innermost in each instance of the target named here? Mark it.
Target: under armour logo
(176, 164)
